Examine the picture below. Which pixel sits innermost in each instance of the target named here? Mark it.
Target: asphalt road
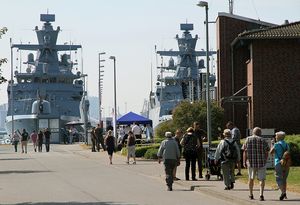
(71, 174)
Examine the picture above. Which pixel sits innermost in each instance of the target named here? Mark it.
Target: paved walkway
(59, 176)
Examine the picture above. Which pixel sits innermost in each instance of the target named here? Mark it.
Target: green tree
(186, 113)
(4, 60)
(163, 127)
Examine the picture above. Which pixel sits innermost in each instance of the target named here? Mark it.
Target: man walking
(228, 153)
(47, 135)
(99, 137)
(24, 140)
(255, 157)
(236, 136)
(169, 152)
(137, 131)
(200, 134)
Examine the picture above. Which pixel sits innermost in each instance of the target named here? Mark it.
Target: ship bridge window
(52, 80)
(61, 80)
(45, 80)
(36, 80)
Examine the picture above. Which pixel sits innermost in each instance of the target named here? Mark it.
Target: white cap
(168, 134)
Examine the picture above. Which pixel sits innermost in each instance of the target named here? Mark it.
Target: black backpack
(229, 151)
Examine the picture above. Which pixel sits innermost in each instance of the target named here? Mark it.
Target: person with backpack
(236, 136)
(190, 144)
(228, 154)
(282, 162)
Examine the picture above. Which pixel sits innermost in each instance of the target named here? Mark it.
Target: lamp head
(202, 4)
(112, 57)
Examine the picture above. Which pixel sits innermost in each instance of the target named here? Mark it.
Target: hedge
(151, 153)
(140, 150)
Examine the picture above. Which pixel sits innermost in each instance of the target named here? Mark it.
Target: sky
(128, 30)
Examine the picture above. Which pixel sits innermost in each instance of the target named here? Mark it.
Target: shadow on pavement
(23, 171)
(7, 159)
(82, 203)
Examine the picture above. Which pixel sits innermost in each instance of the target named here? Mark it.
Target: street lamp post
(205, 4)
(115, 97)
(100, 87)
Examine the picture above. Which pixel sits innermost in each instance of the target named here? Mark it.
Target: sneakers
(176, 179)
(227, 188)
(282, 196)
(261, 198)
(134, 163)
(251, 197)
(170, 188)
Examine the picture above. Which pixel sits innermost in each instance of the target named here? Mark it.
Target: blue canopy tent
(132, 117)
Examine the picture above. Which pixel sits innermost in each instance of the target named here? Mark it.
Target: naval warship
(50, 92)
(183, 80)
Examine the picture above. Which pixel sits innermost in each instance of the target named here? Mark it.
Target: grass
(293, 181)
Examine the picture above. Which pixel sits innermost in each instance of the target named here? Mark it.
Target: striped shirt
(257, 151)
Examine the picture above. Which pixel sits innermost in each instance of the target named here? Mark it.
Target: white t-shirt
(136, 130)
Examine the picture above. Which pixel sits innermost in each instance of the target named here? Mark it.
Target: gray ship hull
(33, 122)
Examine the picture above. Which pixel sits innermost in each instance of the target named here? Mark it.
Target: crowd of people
(229, 154)
(37, 139)
(128, 137)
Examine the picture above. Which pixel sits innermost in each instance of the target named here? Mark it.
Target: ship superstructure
(181, 80)
(48, 94)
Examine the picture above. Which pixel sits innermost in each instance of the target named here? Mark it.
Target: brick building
(259, 73)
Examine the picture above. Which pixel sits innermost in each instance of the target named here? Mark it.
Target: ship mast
(230, 6)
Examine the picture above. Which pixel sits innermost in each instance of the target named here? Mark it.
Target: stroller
(212, 168)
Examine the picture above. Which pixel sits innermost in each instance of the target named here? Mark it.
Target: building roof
(243, 18)
(291, 30)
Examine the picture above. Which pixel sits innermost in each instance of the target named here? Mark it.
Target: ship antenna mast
(230, 6)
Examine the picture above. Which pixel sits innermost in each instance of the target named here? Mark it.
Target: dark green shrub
(295, 153)
(141, 150)
(159, 139)
(294, 143)
(163, 127)
(151, 153)
(185, 113)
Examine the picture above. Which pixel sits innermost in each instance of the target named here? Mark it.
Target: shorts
(281, 174)
(110, 151)
(131, 151)
(259, 172)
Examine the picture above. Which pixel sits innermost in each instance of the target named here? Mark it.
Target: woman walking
(177, 137)
(131, 147)
(110, 145)
(33, 138)
(15, 140)
(282, 162)
(190, 143)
